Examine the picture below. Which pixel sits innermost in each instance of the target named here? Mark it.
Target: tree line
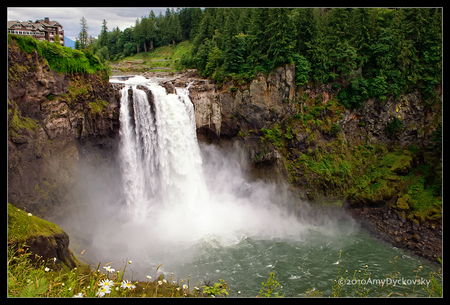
(369, 52)
(148, 33)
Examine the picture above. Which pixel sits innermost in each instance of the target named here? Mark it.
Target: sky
(69, 18)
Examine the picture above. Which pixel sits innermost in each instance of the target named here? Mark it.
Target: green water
(308, 261)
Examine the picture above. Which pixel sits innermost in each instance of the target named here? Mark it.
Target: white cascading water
(164, 181)
(161, 159)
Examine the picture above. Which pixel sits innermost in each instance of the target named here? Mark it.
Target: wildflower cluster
(42, 279)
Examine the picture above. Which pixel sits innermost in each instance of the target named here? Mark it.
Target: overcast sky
(69, 18)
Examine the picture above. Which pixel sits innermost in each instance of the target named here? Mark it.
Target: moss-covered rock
(402, 202)
(45, 240)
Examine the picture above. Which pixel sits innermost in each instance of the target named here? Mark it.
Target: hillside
(162, 59)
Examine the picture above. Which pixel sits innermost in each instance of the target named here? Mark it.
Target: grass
(28, 280)
(166, 57)
(36, 280)
(23, 225)
(59, 58)
(43, 279)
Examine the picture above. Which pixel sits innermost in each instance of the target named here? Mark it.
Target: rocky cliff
(54, 121)
(375, 159)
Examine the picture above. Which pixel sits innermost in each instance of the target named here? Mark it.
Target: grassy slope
(22, 227)
(166, 57)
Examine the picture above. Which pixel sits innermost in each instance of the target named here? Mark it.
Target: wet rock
(53, 117)
(421, 239)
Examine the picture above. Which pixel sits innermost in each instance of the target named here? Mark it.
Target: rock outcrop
(54, 119)
(45, 241)
(422, 240)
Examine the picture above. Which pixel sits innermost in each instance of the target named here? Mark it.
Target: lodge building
(41, 29)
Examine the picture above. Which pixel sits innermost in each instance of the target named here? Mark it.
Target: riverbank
(424, 240)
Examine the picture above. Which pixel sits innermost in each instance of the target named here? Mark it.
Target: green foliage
(302, 69)
(273, 135)
(370, 52)
(59, 58)
(271, 288)
(378, 87)
(355, 93)
(16, 122)
(218, 289)
(98, 106)
(35, 288)
(22, 226)
(335, 129)
(394, 127)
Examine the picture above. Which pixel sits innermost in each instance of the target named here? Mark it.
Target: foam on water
(164, 178)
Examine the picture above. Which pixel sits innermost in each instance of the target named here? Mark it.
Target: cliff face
(54, 120)
(275, 118)
(376, 160)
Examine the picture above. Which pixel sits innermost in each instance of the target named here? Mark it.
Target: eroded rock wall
(54, 119)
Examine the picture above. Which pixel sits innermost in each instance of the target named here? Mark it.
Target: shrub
(59, 58)
(394, 127)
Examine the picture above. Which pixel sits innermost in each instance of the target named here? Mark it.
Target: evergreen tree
(175, 31)
(151, 33)
(83, 36)
(317, 50)
(206, 31)
(258, 38)
(103, 37)
(236, 54)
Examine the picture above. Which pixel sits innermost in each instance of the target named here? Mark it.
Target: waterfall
(161, 159)
(173, 192)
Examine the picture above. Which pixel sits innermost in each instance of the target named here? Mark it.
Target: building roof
(37, 24)
(50, 23)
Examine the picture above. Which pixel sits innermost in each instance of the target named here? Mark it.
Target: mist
(206, 199)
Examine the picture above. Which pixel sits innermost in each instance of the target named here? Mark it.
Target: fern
(40, 286)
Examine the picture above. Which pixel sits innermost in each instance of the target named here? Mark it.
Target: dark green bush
(394, 127)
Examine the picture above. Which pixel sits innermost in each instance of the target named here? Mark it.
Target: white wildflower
(46, 269)
(149, 277)
(164, 281)
(106, 283)
(102, 291)
(29, 214)
(185, 287)
(159, 283)
(109, 269)
(78, 295)
(127, 284)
